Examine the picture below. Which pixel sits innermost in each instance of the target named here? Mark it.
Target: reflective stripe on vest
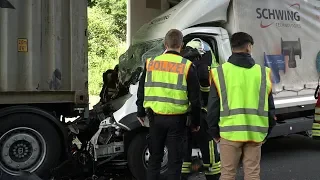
(167, 97)
(205, 89)
(239, 127)
(316, 130)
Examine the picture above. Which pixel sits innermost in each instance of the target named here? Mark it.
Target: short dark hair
(241, 39)
(174, 39)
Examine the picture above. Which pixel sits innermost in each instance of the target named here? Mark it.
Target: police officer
(208, 147)
(240, 109)
(167, 86)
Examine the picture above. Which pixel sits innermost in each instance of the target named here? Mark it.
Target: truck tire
(28, 142)
(138, 156)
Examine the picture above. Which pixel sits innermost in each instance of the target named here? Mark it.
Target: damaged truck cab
(289, 55)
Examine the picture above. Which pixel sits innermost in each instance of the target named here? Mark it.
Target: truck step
(291, 126)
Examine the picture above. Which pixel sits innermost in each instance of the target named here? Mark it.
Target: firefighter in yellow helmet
(205, 51)
(168, 87)
(210, 162)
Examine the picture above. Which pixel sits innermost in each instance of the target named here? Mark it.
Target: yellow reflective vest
(165, 89)
(243, 101)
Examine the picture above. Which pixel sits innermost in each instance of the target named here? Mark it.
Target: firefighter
(316, 123)
(167, 86)
(240, 109)
(208, 148)
(206, 52)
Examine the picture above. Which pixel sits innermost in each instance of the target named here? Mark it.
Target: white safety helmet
(203, 48)
(200, 45)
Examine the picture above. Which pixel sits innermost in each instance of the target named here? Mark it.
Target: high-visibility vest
(214, 63)
(165, 89)
(243, 101)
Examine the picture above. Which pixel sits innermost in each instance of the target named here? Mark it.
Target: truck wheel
(138, 157)
(28, 142)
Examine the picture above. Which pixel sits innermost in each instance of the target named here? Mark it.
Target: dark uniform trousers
(208, 148)
(169, 131)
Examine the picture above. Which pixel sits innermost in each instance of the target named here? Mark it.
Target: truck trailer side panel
(286, 35)
(43, 52)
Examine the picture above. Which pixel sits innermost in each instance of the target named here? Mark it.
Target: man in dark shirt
(168, 127)
(235, 128)
(214, 102)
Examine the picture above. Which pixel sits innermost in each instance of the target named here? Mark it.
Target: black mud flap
(292, 126)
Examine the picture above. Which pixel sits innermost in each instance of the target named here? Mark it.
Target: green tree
(118, 11)
(107, 32)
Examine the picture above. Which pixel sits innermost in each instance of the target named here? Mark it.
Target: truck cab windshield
(131, 63)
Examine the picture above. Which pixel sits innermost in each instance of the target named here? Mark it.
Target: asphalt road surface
(290, 158)
(293, 157)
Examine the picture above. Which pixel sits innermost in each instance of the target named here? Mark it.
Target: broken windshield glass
(131, 63)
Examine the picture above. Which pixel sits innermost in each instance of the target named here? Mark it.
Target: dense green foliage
(107, 35)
